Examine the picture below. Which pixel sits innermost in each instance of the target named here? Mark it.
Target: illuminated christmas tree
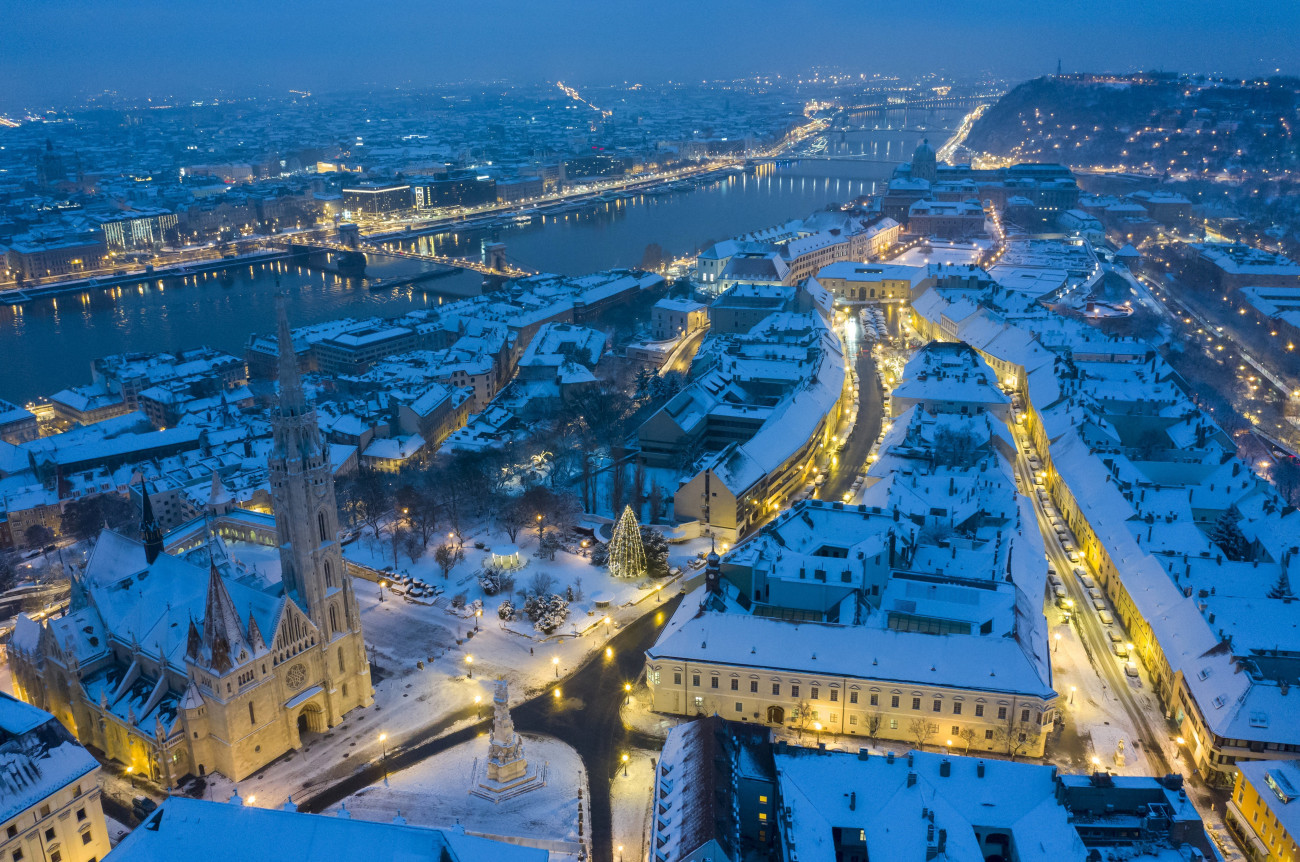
(626, 553)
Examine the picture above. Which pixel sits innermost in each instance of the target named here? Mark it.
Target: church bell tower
(306, 513)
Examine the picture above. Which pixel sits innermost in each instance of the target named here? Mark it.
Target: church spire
(224, 644)
(150, 532)
(292, 400)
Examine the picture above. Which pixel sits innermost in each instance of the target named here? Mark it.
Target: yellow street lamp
(625, 766)
(1073, 689)
(469, 667)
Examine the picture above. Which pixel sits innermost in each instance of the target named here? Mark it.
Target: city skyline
(166, 49)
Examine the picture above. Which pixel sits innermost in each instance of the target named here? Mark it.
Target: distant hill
(1158, 122)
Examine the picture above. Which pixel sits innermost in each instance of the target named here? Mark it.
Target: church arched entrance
(311, 719)
(776, 715)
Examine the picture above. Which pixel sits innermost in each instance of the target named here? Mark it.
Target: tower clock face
(297, 676)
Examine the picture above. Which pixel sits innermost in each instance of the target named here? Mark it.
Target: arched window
(329, 574)
(334, 621)
(252, 718)
(320, 521)
(341, 667)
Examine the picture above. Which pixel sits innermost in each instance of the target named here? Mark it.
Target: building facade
(50, 802)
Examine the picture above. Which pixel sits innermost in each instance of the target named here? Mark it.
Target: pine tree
(626, 552)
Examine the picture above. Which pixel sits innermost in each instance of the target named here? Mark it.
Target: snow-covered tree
(494, 581)
(506, 610)
(627, 558)
(656, 552)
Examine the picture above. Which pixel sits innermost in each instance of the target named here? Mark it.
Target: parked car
(1095, 594)
(1059, 592)
(1099, 604)
(1085, 578)
(1105, 617)
(1131, 670)
(1055, 580)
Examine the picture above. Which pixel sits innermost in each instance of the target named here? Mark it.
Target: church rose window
(297, 676)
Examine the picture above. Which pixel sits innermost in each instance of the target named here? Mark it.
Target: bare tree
(541, 583)
(921, 731)
(447, 556)
(804, 716)
(1014, 735)
(967, 736)
(513, 517)
(873, 722)
(656, 503)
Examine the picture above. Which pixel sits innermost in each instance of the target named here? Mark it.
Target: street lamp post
(383, 741)
(478, 614)
(1073, 689)
(627, 693)
(625, 766)
(555, 662)
(469, 667)
(1057, 646)
(382, 584)
(478, 704)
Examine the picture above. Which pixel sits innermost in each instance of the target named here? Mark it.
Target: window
(753, 686)
(85, 837)
(956, 730)
(653, 677)
(875, 700)
(762, 815)
(56, 856)
(1002, 712)
(776, 688)
(853, 697)
(762, 800)
(320, 522)
(699, 703)
(740, 707)
(815, 692)
(12, 830)
(49, 834)
(713, 682)
(735, 685)
(695, 680)
(893, 701)
(45, 811)
(329, 574)
(252, 717)
(916, 703)
(979, 710)
(834, 717)
(853, 719)
(334, 620)
(956, 707)
(835, 695)
(938, 705)
(893, 724)
(342, 667)
(677, 677)
(81, 814)
(18, 855)
(794, 691)
(988, 734)
(1024, 715)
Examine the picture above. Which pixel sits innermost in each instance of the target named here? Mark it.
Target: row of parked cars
(1119, 646)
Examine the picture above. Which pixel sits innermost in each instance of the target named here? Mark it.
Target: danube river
(48, 344)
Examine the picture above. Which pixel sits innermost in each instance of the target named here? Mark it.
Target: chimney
(889, 757)
(911, 779)
(979, 769)
(945, 768)
(853, 801)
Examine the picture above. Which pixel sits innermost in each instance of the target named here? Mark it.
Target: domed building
(925, 165)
